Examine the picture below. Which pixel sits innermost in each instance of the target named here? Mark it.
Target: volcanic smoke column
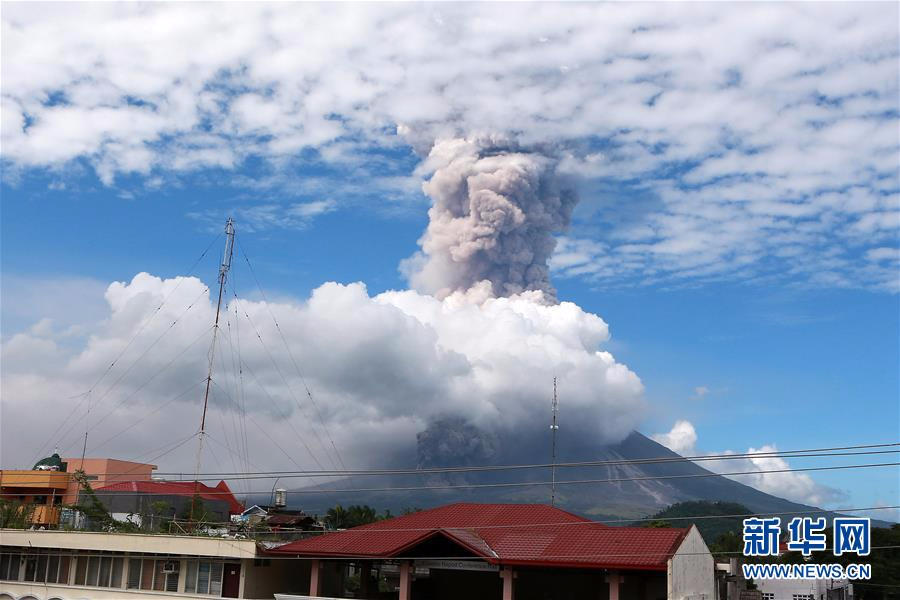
(495, 211)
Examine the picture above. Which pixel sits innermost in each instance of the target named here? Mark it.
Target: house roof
(288, 520)
(523, 534)
(51, 462)
(220, 493)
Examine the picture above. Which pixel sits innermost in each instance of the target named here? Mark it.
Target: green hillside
(710, 526)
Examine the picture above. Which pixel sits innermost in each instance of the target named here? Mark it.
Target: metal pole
(272, 494)
(223, 274)
(553, 428)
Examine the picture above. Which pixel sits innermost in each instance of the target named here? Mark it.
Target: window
(165, 575)
(9, 566)
(134, 574)
(158, 575)
(768, 596)
(265, 562)
(204, 577)
(99, 571)
(44, 567)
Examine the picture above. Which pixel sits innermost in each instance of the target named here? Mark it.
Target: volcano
(612, 500)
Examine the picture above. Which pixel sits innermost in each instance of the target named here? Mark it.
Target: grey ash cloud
(496, 208)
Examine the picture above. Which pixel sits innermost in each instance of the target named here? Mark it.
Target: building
(805, 589)
(100, 472)
(470, 551)
(135, 500)
(126, 489)
(278, 518)
(50, 483)
(505, 551)
(77, 565)
(39, 491)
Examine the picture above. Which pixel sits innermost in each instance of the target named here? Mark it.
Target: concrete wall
(257, 583)
(41, 591)
(134, 543)
(106, 471)
(691, 571)
(111, 470)
(281, 576)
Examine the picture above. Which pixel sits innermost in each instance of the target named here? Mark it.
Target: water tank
(281, 497)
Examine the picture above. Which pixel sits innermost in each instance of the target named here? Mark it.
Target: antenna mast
(223, 275)
(553, 428)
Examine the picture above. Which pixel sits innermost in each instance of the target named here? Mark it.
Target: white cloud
(260, 217)
(765, 135)
(72, 303)
(700, 392)
(681, 439)
(380, 367)
(799, 487)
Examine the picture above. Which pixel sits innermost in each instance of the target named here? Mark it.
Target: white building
(57, 565)
(808, 589)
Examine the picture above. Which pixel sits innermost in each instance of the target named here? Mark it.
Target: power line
(573, 481)
(270, 556)
(618, 522)
(593, 481)
(664, 460)
(287, 386)
(131, 366)
(812, 453)
(293, 360)
(159, 372)
(158, 408)
(285, 418)
(86, 395)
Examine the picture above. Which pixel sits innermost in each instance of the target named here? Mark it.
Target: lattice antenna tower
(223, 276)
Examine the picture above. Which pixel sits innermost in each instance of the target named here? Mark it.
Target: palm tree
(336, 517)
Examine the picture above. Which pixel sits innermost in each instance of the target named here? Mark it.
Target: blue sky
(737, 226)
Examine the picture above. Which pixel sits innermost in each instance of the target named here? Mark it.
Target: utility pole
(553, 428)
(223, 275)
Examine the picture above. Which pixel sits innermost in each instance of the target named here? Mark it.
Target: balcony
(43, 514)
(38, 480)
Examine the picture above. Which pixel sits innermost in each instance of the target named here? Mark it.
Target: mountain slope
(602, 500)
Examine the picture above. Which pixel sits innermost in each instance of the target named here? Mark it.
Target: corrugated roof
(179, 488)
(524, 534)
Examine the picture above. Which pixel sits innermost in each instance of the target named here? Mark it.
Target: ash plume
(454, 440)
(495, 210)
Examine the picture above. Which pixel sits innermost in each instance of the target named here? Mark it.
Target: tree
(94, 510)
(360, 515)
(727, 545)
(718, 517)
(195, 513)
(15, 515)
(354, 515)
(885, 561)
(336, 518)
(161, 514)
(657, 524)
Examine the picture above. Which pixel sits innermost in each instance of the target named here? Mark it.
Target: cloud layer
(799, 487)
(719, 141)
(380, 368)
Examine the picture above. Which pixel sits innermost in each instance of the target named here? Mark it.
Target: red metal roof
(523, 534)
(179, 488)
